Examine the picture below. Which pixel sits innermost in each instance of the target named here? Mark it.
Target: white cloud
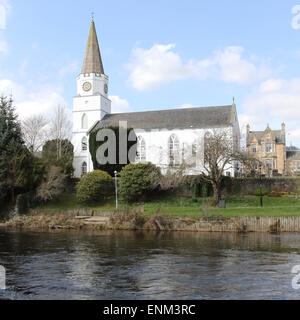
(271, 85)
(71, 68)
(3, 45)
(42, 100)
(4, 7)
(160, 64)
(294, 137)
(274, 101)
(119, 105)
(279, 98)
(187, 106)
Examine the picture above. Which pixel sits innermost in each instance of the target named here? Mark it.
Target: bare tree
(53, 186)
(221, 153)
(174, 177)
(34, 132)
(61, 127)
(251, 165)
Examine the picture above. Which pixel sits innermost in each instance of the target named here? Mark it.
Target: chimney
(283, 133)
(248, 133)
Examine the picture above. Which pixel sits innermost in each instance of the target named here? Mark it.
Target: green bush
(264, 191)
(138, 181)
(95, 187)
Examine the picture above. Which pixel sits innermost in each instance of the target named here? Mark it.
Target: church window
(84, 122)
(141, 150)
(84, 144)
(174, 160)
(83, 169)
(194, 150)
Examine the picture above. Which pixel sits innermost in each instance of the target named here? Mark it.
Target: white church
(164, 137)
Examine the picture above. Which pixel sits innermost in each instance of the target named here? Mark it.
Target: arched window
(141, 150)
(84, 122)
(174, 154)
(83, 169)
(84, 144)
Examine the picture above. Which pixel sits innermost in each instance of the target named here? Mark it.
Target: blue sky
(158, 54)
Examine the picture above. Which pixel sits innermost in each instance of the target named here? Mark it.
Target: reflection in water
(141, 265)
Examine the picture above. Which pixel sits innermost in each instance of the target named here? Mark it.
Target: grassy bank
(247, 206)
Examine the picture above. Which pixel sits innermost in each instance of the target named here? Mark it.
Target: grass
(247, 206)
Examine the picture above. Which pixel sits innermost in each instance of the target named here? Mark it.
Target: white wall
(157, 146)
(95, 105)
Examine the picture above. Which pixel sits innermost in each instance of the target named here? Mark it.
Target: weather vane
(93, 14)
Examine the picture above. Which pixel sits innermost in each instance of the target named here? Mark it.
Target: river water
(139, 265)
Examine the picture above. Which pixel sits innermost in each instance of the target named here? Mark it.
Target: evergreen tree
(59, 154)
(14, 156)
(94, 145)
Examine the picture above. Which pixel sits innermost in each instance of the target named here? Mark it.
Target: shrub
(275, 194)
(64, 161)
(94, 187)
(53, 186)
(264, 192)
(22, 204)
(138, 181)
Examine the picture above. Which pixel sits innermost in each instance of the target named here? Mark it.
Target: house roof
(196, 118)
(92, 61)
(259, 135)
(293, 154)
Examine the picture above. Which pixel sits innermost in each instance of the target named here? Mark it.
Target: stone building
(269, 147)
(293, 161)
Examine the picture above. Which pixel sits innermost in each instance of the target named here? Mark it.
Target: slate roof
(196, 118)
(260, 134)
(293, 155)
(92, 61)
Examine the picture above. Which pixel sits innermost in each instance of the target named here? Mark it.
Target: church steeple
(92, 61)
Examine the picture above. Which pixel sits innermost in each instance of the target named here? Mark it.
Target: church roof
(193, 118)
(92, 61)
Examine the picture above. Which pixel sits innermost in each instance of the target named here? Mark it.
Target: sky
(158, 54)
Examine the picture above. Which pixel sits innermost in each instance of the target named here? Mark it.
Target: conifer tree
(14, 156)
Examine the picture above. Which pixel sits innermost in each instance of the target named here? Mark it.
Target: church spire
(92, 61)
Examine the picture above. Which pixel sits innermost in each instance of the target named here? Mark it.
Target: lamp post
(260, 186)
(116, 187)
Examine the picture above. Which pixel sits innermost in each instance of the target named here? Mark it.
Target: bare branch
(34, 132)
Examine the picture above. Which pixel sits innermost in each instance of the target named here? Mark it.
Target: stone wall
(239, 186)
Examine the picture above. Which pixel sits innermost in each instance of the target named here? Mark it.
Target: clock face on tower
(106, 89)
(87, 86)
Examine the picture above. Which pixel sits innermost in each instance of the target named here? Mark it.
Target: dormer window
(254, 149)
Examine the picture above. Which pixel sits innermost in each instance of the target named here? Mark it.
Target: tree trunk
(217, 194)
(13, 196)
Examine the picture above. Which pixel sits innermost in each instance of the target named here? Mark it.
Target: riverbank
(159, 222)
(246, 206)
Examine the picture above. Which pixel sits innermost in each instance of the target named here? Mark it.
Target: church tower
(91, 103)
